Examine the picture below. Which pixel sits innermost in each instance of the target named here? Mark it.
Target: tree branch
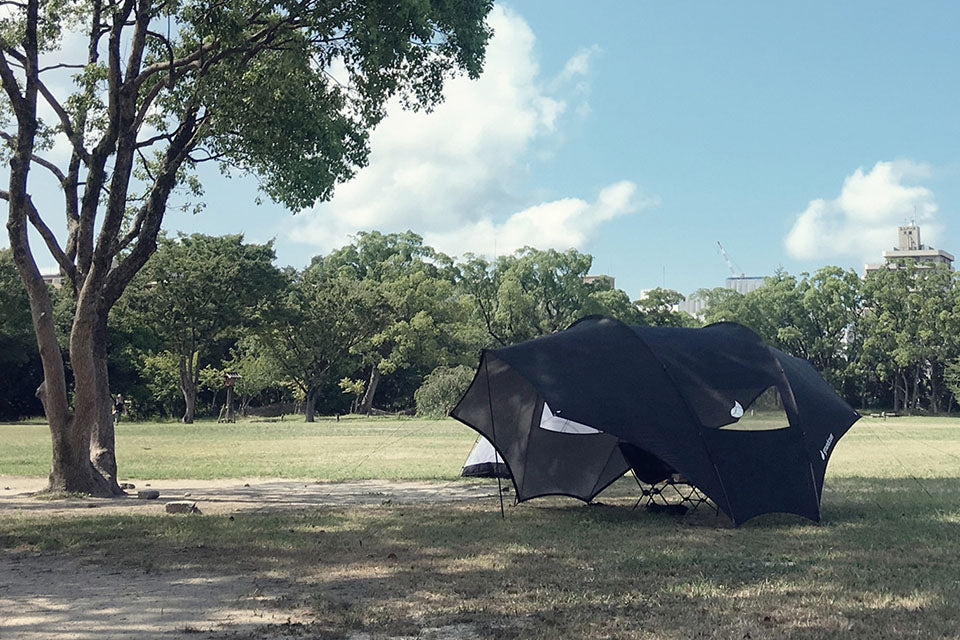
(49, 239)
(75, 139)
(11, 86)
(150, 216)
(149, 142)
(62, 66)
(54, 169)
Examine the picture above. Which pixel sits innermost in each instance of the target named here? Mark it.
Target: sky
(796, 134)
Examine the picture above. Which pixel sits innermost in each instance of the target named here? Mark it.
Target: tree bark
(310, 404)
(934, 389)
(188, 388)
(70, 468)
(367, 405)
(89, 396)
(916, 389)
(102, 441)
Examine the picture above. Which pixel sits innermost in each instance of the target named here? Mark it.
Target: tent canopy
(573, 411)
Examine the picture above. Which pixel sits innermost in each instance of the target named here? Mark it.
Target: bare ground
(54, 597)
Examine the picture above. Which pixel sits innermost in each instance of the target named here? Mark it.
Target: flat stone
(182, 506)
(127, 485)
(148, 494)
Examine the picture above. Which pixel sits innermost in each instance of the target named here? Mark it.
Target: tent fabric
(657, 399)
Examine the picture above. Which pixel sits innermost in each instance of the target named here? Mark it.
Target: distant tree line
(887, 341)
(389, 323)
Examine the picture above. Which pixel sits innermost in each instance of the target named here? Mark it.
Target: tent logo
(826, 447)
(737, 410)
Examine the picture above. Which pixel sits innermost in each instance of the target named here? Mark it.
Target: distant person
(118, 408)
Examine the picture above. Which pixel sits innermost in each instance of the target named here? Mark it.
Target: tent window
(551, 422)
(765, 413)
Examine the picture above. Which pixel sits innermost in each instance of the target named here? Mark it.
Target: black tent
(573, 411)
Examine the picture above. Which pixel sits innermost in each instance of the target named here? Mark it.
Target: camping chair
(674, 493)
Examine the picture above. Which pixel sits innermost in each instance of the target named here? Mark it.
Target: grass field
(350, 448)
(883, 564)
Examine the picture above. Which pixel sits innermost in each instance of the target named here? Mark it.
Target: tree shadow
(879, 566)
(45, 596)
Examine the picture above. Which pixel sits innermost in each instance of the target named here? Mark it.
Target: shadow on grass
(882, 565)
(259, 495)
(45, 597)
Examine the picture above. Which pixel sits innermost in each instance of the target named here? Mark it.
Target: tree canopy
(387, 319)
(285, 92)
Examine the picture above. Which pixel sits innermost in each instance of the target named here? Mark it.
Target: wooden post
(229, 380)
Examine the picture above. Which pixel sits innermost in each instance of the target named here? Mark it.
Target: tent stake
(499, 492)
(493, 424)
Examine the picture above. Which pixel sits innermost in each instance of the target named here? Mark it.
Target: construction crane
(733, 271)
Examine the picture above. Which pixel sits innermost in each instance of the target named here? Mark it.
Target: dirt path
(61, 598)
(53, 597)
(244, 495)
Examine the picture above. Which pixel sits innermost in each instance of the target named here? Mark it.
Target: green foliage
(161, 371)
(390, 305)
(887, 340)
(353, 388)
(656, 309)
(952, 377)
(420, 325)
(442, 390)
(197, 295)
(284, 91)
(910, 332)
(258, 371)
(532, 293)
(282, 114)
(20, 368)
(313, 329)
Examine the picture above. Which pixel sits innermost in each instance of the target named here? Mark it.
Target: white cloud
(862, 221)
(579, 65)
(560, 224)
(451, 173)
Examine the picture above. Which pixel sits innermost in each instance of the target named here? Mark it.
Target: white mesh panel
(551, 422)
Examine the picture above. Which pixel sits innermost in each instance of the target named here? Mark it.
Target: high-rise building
(54, 279)
(744, 284)
(610, 279)
(910, 249)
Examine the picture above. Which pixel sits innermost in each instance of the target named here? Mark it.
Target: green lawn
(355, 448)
(327, 449)
(883, 564)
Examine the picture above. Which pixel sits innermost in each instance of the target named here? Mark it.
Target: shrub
(441, 390)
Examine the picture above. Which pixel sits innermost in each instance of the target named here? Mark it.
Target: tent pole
(496, 452)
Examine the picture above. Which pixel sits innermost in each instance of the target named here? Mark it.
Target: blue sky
(797, 134)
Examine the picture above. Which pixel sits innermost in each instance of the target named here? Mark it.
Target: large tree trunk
(367, 405)
(188, 388)
(915, 398)
(90, 377)
(934, 390)
(83, 436)
(898, 391)
(103, 442)
(310, 404)
(70, 468)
